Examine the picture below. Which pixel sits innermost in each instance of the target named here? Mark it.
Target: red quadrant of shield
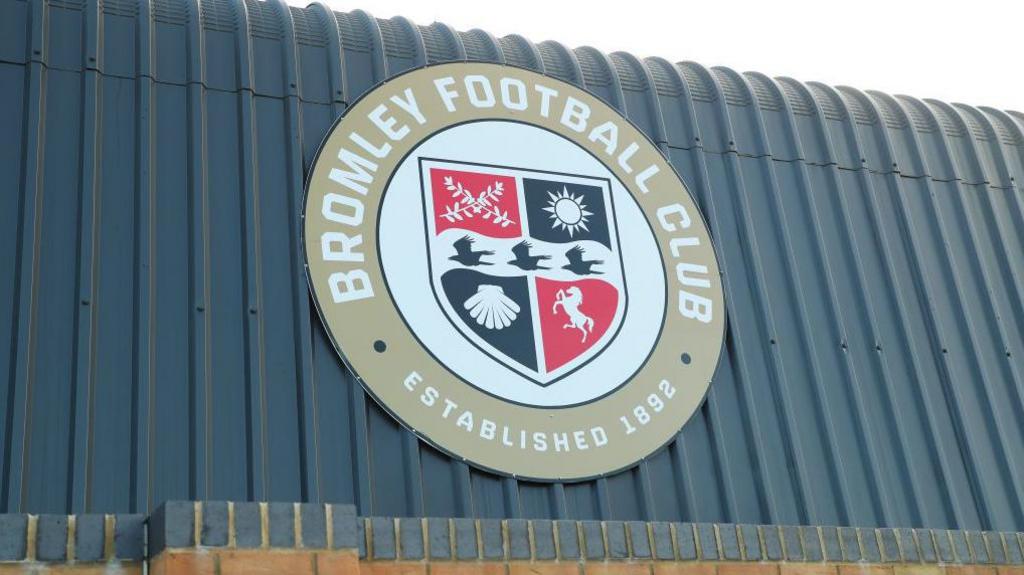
(573, 320)
(474, 200)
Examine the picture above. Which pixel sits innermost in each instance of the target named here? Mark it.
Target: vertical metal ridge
(907, 239)
(809, 106)
(659, 136)
(806, 486)
(562, 58)
(707, 201)
(88, 215)
(765, 320)
(742, 381)
(23, 328)
(380, 67)
(779, 215)
(937, 457)
(143, 326)
(842, 338)
(875, 444)
(951, 124)
(915, 165)
(256, 414)
(712, 410)
(360, 405)
(525, 46)
(716, 98)
(980, 492)
(335, 54)
(997, 145)
(893, 411)
(680, 92)
(490, 41)
(1009, 368)
(454, 39)
(418, 45)
(300, 303)
(618, 99)
(999, 245)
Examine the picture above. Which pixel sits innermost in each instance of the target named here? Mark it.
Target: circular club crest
(513, 270)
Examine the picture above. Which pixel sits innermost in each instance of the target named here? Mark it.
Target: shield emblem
(525, 264)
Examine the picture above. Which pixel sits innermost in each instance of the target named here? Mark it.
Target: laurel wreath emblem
(484, 204)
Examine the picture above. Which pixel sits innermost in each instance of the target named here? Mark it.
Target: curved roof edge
(319, 55)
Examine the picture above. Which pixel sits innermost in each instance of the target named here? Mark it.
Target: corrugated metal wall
(159, 340)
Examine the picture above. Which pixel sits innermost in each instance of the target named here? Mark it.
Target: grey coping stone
(850, 544)
(730, 542)
(171, 526)
(869, 545)
(639, 539)
(344, 530)
(1013, 550)
(518, 539)
(281, 518)
(214, 530)
(926, 546)
(248, 525)
(439, 541)
(494, 545)
(751, 542)
(811, 543)
(830, 538)
(361, 537)
(544, 539)
(662, 540)
(90, 531)
(995, 547)
(410, 531)
(568, 540)
(383, 538)
(685, 542)
(313, 519)
(961, 552)
(791, 543)
(943, 546)
(706, 540)
(465, 538)
(978, 549)
(616, 533)
(908, 546)
(13, 533)
(130, 537)
(772, 543)
(593, 540)
(890, 549)
(52, 538)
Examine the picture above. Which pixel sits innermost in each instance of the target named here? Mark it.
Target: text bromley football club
(354, 169)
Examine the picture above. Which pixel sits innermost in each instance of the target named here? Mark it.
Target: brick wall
(221, 538)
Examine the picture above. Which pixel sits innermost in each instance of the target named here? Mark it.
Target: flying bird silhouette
(465, 255)
(577, 264)
(524, 260)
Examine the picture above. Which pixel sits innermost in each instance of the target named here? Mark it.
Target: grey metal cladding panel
(14, 17)
(14, 112)
(162, 345)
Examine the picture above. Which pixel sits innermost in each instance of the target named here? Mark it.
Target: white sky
(968, 51)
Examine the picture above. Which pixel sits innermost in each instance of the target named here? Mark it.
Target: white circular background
(403, 256)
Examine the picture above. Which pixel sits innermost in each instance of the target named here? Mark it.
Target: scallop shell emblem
(491, 308)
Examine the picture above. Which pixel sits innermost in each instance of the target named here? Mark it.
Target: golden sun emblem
(567, 211)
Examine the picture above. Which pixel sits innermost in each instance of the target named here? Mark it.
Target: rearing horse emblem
(571, 299)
